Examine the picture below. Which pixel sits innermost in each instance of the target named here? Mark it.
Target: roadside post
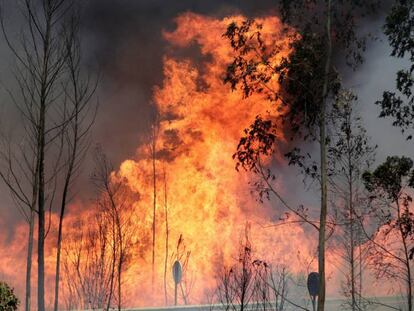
(313, 287)
(177, 275)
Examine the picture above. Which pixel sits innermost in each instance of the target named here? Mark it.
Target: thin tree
(350, 154)
(392, 239)
(87, 263)
(251, 283)
(307, 79)
(81, 116)
(399, 28)
(153, 152)
(21, 179)
(41, 59)
(114, 201)
(167, 234)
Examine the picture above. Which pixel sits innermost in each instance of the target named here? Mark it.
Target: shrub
(8, 301)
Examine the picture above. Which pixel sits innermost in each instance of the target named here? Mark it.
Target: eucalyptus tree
(350, 153)
(308, 81)
(399, 28)
(390, 185)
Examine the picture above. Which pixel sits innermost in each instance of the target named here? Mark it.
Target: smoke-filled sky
(123, 43)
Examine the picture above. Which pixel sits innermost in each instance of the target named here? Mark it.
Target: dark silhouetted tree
(253, 284)
(80, 115)
(41, 55)
(308, 81)
(350, 154)
(389, 185)
(399, 28)
(115, 201)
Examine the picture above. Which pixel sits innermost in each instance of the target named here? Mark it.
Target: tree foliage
(399, 104)
(393, 241)
(307, 80)
(349, 154)
(391, 177)
(8, 300)
(350, 148)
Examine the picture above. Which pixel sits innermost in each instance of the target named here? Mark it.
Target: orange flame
(201, 121)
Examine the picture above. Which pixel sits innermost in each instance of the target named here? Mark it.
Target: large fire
(200, 123)
(209, 202)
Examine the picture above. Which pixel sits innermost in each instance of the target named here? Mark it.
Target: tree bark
(406, 259)
(166, 239)
(154, 177)
(351, 215)
(29, 261)
(41, 229)
(322, 128)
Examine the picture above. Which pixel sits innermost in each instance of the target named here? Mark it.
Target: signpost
(177, 275)
(313, 287)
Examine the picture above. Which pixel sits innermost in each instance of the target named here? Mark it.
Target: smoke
(123, 44)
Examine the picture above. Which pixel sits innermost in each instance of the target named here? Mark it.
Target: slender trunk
(166, 239)
(322, 127)
(29, 261)
(406, 261)
(119, 287)
(121, 259)
(59, 244)
(41, 211)
(112, 276)
(57, 273)
(351, 216)
(41, 231)
(30, 241)
(409, 278)
(352, 250)
(41, 160)
(154, 211)
(63, 207)
(183, 293)
(360, 274)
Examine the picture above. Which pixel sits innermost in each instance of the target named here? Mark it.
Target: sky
(123, 44)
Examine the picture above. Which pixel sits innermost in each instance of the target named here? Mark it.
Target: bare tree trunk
(57, 273)
(154, 177)
(29, 261)
(41, 211)
(406, 259)
(324, 190)
(166, 239)
(41, 159)
(121, 257)
(77, 129)
(352, 248)
(42, 62)
(351, 219)
(30, 243)
(360, 273)
(409, 278)
(62, 214)
(111, 285)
